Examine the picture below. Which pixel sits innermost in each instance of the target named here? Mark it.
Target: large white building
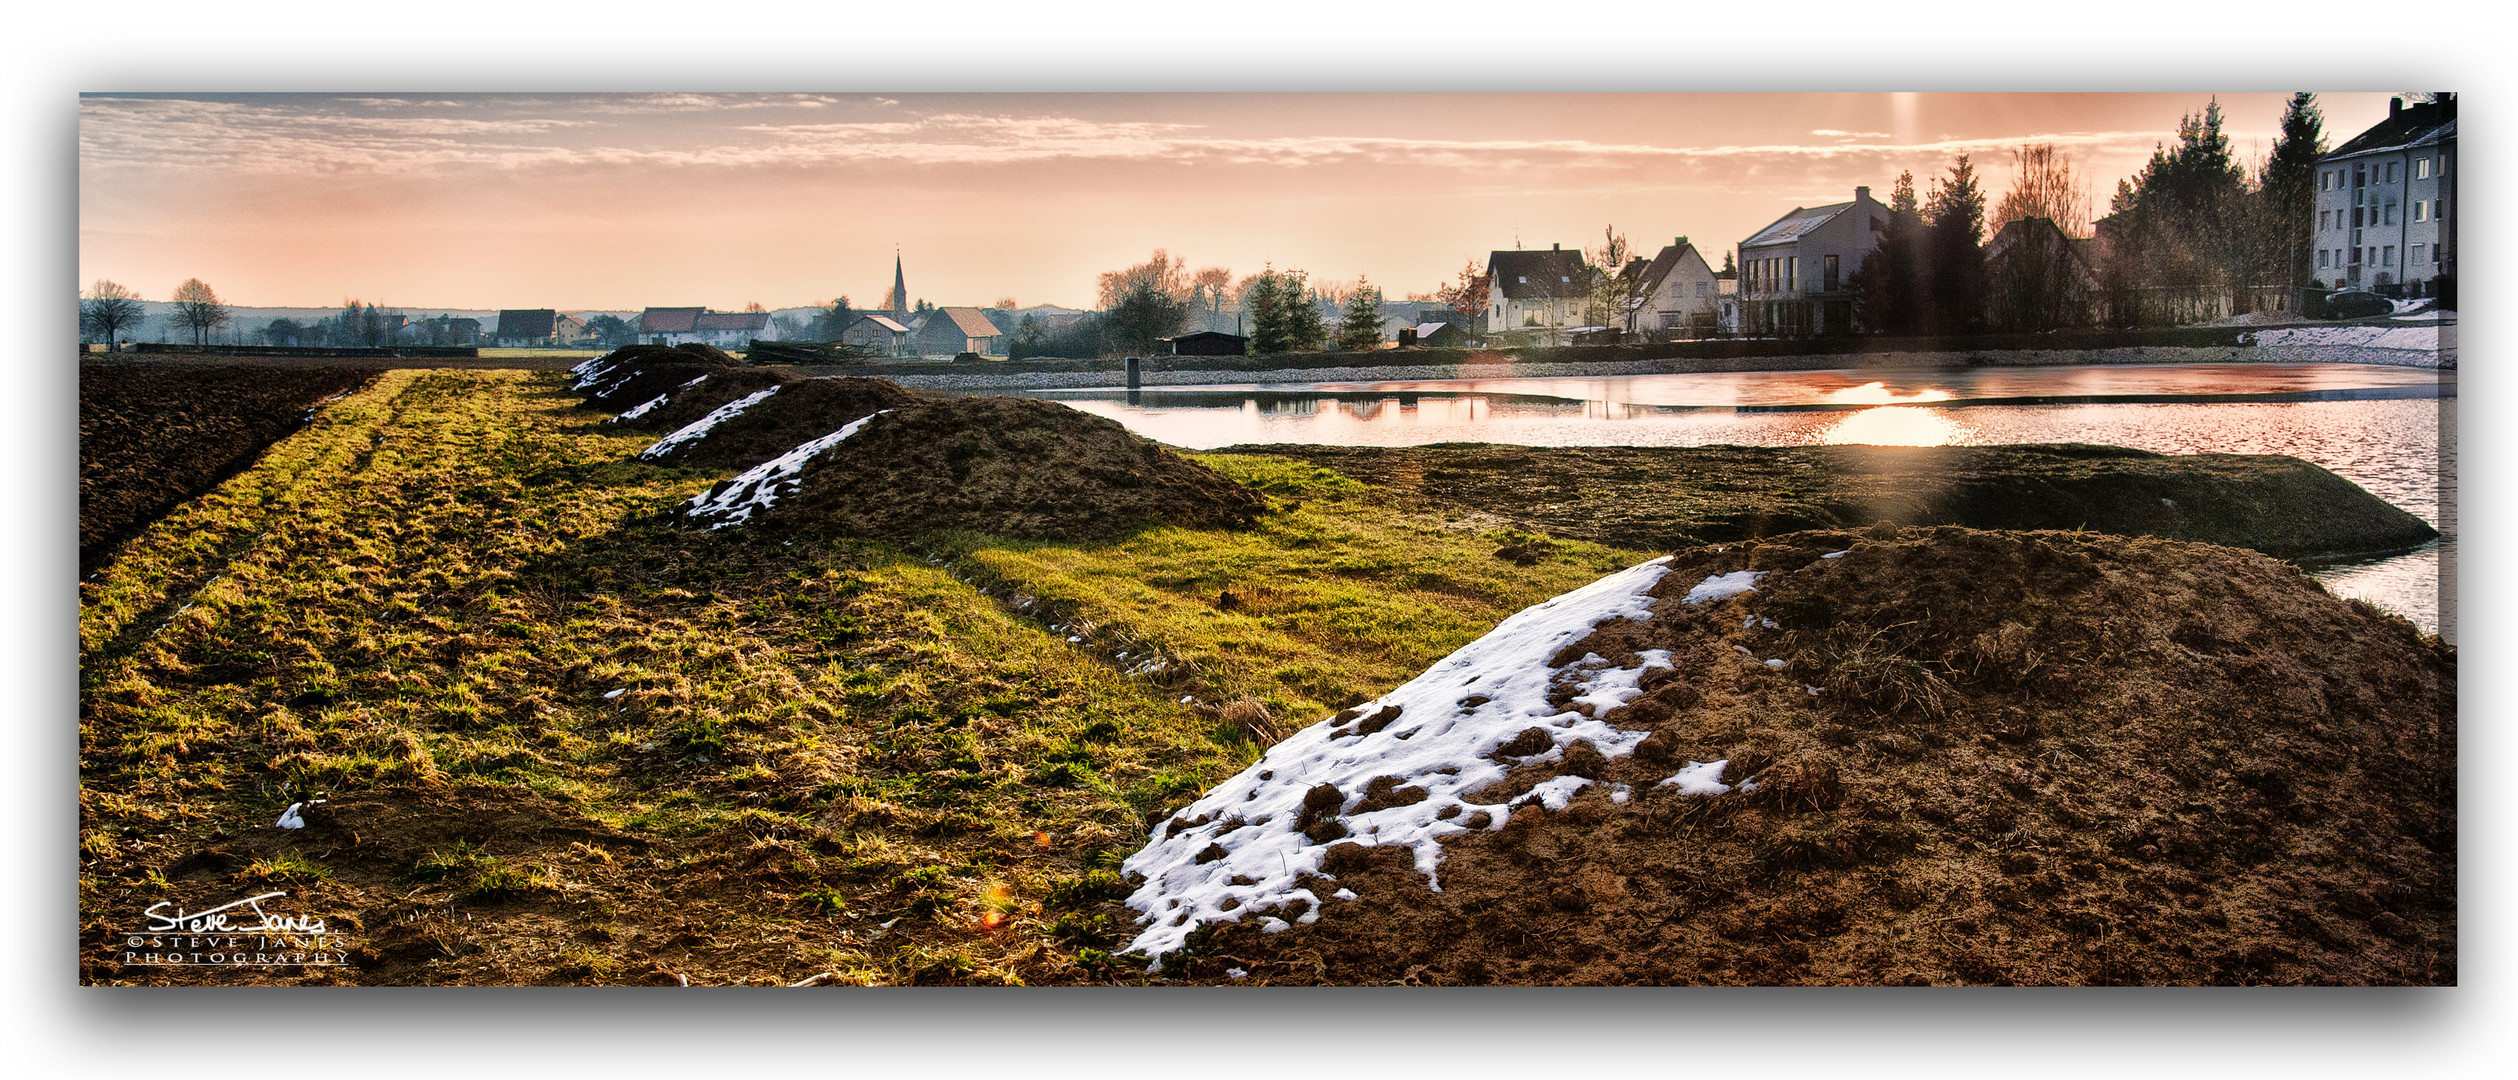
(2386, 203)
(1796, 275)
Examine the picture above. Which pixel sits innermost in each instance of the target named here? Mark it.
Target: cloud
(379, 135)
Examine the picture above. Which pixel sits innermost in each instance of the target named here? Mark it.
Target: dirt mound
(1930, 756)
(683, 403)
(796, 412)
(1008, 467)
(1665, 497)
(602, 378)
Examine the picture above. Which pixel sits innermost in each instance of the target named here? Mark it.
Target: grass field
(562, 742)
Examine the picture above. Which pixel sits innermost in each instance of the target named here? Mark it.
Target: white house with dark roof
(1796, 275)
(1676, 293)
(2386, 203)
(1536, 290)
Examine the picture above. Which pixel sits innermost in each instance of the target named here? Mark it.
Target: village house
(1796, 275)
(1675, 294)
(1209, 343)
(669, 325)
(2386, 203)
(2037, 278)
(1536, 290)
(952, 331)
(527, 326)
(880, 334)
(731, 329)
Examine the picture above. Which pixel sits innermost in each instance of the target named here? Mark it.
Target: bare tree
(1164, 273)
(1607, 304)
(198, 309)
(1467, 295)
(109, 309)
(2044, 185)
(1214, 286)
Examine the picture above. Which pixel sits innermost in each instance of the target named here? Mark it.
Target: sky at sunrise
(626, 201)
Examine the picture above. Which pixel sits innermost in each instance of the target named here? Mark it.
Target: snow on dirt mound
(1009, 467)
(1402, 770)
(772, 420)
(1929, 756)
(621, 379)
(675, 407)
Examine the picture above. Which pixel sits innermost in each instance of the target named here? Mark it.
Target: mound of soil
(153, 436)
(1942, 756)
(801, 410)
(1009, 467)
(1663, 497)
(606, 378)
(685, 403)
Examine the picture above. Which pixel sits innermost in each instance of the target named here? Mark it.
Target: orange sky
(626, 201)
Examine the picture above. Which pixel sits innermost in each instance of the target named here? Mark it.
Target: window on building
(2421, 209)
(2391, 215)
(2322, 261)
(1830, 271)
(2387, 256)
(1792, 271)
(2416, 258)
(2324, 219)
(2391, 172)
(2360, 176)
(2356, 234)
(2356, 256)
(2356, 217)
(2435, 250)
(2422, 169)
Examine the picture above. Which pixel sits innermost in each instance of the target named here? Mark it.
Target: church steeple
(900, 289)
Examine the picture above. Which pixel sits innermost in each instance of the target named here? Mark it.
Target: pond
(2380, 427)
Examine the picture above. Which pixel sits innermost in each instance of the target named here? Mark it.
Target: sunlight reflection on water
(2390, 447)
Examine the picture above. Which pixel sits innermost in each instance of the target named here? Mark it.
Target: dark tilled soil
(152, 436)
(688, 403)
(2036, 758)
(1009, 467)
(801, 411)
(1660, 497)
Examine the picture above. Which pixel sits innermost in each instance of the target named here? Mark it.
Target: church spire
(900, 287)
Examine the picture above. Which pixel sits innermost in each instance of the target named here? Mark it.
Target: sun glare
(1895, 426)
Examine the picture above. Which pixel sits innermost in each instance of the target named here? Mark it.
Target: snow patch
(2409, 338)
(760, 487)
(1433, 740)
(1699, 778)
(1724, 586)
(698, 429)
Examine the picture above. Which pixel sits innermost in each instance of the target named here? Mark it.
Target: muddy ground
(2032, 759)
(152, 436)
(1666, 497)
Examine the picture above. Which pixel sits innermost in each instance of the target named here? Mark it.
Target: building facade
(2387, 204)
(1677, 294)
(1796, 275)
(1542, 291)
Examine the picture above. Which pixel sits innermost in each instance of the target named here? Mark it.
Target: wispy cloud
(383, 135)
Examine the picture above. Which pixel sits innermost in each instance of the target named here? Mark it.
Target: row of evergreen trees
(2187, 235)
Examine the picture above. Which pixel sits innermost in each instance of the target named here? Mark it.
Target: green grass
(440, 585)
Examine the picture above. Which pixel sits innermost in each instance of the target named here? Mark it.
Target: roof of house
(2037, 230)
(526, 322)
(1662, 264)
(967, 321)
(1796, 224)
(2429, 121)
(719, 321)
(1429, 329)
(883, 321)
(669, 320)
(1206, 334)
(1524, 275)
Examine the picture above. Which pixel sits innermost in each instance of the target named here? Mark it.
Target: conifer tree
(1359, 328)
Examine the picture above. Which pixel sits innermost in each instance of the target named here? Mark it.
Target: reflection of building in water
(1283, 406)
